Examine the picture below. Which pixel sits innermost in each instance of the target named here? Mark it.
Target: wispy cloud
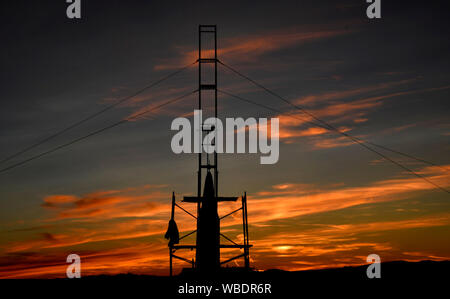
(108, 204)
(337, 109)
(109, 216)
(296, 200)
(139, 258)
(251, 47)
(337, 245)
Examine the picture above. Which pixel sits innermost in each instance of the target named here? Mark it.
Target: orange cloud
(315, 246)
(108, 204)
(340, 245)
(297, 200)
(355, 111)
(140, 258)
(103, 216)
(57, 200)
(250, 47)
(129, 236)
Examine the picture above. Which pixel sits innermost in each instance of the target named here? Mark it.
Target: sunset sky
(328, 202)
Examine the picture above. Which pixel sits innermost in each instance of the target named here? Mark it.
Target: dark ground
(402, 279)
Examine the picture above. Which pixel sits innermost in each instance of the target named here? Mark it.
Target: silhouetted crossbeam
(240, 246)
(200, 199)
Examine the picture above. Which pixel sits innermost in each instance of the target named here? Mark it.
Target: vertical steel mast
(208, 252)
(206, 84)
(207, 247)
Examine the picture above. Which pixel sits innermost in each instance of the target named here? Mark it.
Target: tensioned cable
(354, 139)
(328, 129)
(125, 120)
(76, 124)
(327, 125)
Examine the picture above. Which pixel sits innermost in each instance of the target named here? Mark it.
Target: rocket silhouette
(208, 229)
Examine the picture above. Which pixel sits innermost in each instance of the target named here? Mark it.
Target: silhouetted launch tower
(207, 248)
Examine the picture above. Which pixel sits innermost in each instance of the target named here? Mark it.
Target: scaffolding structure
(207, 247)
(245, 245)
